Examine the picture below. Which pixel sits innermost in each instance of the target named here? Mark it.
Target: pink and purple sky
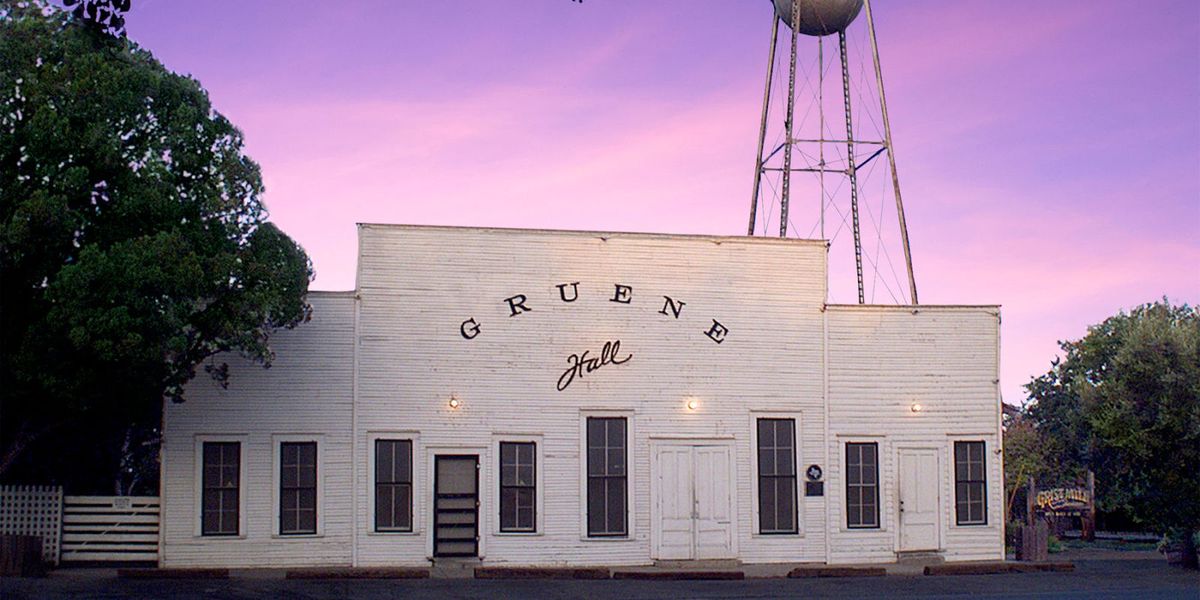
(1049, 152)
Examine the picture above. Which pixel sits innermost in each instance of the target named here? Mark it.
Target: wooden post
(1089, 516)
(1030, 498)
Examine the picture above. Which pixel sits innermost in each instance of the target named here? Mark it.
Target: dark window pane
(766, 462)
(393, 485)
(596, 458)
(219, 472)
(383, 461)
(777, 476)
(595, 433)
(785, 462)
(607, 457)
(403, 506)
(766, 504)
(970, 483)
(517, 480)
(786, 507)
(403, 461)
(862, 487)
(766, 433)
(508, 509)
(383, 507)
(616, 504)
(595, 501)
(616, 462)
(616, 433)
(298, 488)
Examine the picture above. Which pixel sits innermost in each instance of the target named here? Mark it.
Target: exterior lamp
(454, 403)
(692, 403)
(916, 407)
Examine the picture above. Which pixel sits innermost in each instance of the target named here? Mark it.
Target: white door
(675, 502)
(710, 485)
(919, 523)
(693, 501)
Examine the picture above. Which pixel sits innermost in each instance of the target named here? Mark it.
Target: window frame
(500, 487)
(982, 482)
(372, 478)
(630, 475)
(878, 524)
(277, 441)
(281, 489)
(755, 421)
(198, 485)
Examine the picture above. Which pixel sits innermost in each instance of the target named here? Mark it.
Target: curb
(358, 573)
(680, 575)
(155, 573)
(999, 567)
(540, 573)
(807, 572)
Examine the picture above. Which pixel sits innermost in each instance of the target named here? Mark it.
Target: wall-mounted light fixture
(916, 407)
(692, 403)
(454, 403)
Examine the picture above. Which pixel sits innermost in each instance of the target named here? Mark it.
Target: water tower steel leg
(887, 138)
(785, 188)
(762, 130)
(851, 172)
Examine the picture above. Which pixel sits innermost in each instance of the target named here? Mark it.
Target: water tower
(816, 147)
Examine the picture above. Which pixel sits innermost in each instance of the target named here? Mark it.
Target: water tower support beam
(785, 188)
(851, 173)
(762, 130)
(891, 152)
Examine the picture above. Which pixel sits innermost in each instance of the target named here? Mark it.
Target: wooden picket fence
(110, 529)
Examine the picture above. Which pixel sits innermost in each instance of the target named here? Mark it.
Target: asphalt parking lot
(1148, 577)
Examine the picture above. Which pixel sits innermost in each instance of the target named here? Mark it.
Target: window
(393, 485)
(777, 476)
(862, 485)
(518, 480)
(606, 477)
(297, 488)
(970, 483)
(221, 480)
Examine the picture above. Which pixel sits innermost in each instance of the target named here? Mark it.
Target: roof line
(591, 233)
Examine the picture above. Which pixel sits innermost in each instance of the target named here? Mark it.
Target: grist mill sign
(609, 353)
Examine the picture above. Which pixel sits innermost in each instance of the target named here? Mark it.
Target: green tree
(1125, 402)
(134, 244)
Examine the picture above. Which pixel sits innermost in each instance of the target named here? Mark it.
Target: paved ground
(1098, 575)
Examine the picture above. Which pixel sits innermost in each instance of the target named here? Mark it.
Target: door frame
(938, 478)
(483, 475)
(735, 517)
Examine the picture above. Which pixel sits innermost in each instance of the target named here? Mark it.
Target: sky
(1048, 152)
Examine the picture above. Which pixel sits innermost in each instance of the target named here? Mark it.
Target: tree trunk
(25, 436)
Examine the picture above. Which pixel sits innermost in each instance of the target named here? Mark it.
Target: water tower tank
(820, 17)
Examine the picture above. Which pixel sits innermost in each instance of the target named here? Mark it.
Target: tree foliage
(1125, 402)
(133, 240)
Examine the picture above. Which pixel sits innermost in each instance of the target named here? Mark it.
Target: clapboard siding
(384, 361)
(308, 391)
(884, 359)
(417, 285)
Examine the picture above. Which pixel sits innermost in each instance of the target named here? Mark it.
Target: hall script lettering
(579, 364)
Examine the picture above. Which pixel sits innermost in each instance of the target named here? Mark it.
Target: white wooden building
(577, 398)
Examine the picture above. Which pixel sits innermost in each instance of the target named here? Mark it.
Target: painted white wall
(417, 285)
(882, 361)
(307, 394)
